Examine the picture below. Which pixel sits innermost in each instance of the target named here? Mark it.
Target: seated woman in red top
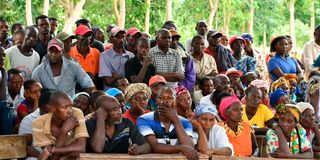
(137, 95)
(32, 92)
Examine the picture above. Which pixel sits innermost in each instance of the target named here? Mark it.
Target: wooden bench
(104, 156)
(13, 146)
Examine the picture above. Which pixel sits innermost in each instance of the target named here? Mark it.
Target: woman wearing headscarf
(82, 101)
(280, 83)
(278, 97)
(288, 139)
(137, 95)
(263, 86)
(313, 90)
(209, 137)
(240, 133)
(309, 124)
(184, 102)
(293, 84)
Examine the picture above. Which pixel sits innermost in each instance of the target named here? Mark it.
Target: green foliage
(271, 16)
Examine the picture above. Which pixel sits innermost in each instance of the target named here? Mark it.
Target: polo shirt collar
(156, 118)
(113, 53)
(160, 51)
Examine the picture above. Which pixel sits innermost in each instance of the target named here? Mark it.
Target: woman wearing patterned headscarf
(137, 95)
(240, 133)
(288, 138)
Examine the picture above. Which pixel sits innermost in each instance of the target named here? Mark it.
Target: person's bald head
(112, 107)
(105, 101)
(57, 96)
(163, 38)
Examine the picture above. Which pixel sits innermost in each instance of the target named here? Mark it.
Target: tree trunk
(122, 13)
(292, 24)
(73, 14)
(169, 10)
(250, 22)
(213, 4)
(116, 11)
(227, 18)
(28, 13)
(312, 23)
(46, 7)
(147, 18)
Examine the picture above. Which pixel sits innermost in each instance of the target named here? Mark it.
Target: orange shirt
(90, 63)
(241, 141)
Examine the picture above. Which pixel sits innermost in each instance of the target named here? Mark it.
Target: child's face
(207, 87)
(122, 84)
(293, 85)
(18, 39)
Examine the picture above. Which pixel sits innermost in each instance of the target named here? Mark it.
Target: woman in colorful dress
(288, 139)
(240, 133)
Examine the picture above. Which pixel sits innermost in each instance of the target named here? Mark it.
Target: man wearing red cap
(132, 36)
(87, 57)
(59, 73)
(112, 61)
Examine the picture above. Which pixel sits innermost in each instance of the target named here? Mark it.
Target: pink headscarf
(181, 89)
(259, 83)
(225, 104)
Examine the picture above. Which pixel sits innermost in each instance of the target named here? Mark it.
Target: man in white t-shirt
(23, 57)
(202, 29)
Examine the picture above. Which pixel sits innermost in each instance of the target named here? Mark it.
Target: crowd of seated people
(130, 94)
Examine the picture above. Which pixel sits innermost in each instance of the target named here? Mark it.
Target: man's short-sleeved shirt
(205, 66)
(26, 123)
(149, 124)
(90, 63)
(71, 74)
(113, 62)
(133, 67)
(168, 62)
(262, 115)
(119, 143)
(287, 65)
(26, 64)
(41, 129)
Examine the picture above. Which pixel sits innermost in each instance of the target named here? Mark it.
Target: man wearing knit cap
(58, 73)
(137, 95)
(112, 61)
(67, 42)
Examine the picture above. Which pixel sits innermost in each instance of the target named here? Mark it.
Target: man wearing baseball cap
(58, 73)
(132, 36)
(87, 57)
(221, 54)
(67, 42)
(112, 61)
(155, 83)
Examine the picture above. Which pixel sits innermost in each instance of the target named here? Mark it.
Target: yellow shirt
(262, 115)
(41, 129)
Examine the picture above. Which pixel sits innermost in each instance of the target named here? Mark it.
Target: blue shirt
(149, 124)
(71, 74)
(113, 62)
(287, 65)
